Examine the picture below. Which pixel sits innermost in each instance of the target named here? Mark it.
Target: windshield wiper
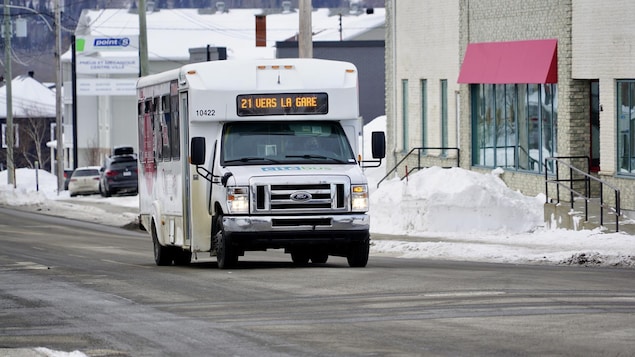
(307, 156)
(250, 158)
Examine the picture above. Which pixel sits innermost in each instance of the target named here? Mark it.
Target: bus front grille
(298, 198)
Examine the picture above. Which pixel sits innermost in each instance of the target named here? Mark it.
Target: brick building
(510, 83)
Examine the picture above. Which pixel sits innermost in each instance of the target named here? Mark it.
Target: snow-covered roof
(30, 99)
(172, 32)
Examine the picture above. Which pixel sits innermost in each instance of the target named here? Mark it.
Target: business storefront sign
(115, 65)
(106, 86)
(89, 44)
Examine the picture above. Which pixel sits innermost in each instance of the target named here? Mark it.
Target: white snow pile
(453, 200)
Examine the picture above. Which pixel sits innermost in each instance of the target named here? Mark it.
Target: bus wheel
(299, 257)
(226, 255)
(358, 254)
(319, 258)
(162, 255)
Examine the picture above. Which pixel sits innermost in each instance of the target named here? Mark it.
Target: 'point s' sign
(111, 42)
(89, 44)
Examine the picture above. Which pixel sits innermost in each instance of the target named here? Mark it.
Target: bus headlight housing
(238, 200)
(359, 198)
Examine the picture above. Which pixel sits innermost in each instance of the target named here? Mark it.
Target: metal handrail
(419, 167)
(587, 178)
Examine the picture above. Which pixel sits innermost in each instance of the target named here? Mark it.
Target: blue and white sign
(111, 42)
(90, 44)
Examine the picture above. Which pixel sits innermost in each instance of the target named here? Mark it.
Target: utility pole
(74, 95)
(305, 36)
(8, 77)
(143, 40)
(58, 98)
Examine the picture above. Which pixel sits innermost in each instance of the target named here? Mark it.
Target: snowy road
(71, 285)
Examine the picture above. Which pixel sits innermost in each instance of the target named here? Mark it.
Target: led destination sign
(282, 104)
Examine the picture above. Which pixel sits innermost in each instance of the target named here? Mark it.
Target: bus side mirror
(197, 151)
(378, 144)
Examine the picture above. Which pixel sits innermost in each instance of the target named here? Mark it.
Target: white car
(84, 181)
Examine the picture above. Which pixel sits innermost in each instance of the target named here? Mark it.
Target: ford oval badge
(301, 196)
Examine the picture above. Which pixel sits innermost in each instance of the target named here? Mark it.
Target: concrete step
(561, 215)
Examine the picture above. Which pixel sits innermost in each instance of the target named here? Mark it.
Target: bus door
(184, 119)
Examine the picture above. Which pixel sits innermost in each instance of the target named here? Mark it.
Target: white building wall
(604, 51)
(124, 121)
(603, 48)
(426, 47)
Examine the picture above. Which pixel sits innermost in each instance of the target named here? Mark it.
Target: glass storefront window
(626, 126)
(514, 125)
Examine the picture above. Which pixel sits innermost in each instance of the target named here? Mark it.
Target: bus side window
(165, 128)
(140, 122)
(148, 136)
(156, 124)
(176, 131)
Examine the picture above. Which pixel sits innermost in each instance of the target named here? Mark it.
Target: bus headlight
(359, 198)
(238, 200)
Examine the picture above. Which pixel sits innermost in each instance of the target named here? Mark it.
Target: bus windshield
(289, 142)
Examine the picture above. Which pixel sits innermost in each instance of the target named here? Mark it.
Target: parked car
(119, 175)
(84, 181)
(67, 177)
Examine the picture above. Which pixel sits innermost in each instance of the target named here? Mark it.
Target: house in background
(510, 84)
(34, 123)
(106, 102)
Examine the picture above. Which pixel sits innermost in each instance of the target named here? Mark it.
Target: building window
(514, 126)
(16, 137)
(404, 114)
(444, 115)
(626, 126)
(424, 113)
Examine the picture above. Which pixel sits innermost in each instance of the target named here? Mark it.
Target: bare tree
(34, 133)
(92, 154)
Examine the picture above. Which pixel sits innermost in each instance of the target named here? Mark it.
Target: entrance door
(595, 126)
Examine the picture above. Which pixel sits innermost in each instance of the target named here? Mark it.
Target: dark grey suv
(119, 175)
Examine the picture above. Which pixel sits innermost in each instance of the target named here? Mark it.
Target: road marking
(23, 266)
(122, 263)
(466, 294)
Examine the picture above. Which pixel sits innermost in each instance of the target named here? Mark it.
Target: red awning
(532, 61)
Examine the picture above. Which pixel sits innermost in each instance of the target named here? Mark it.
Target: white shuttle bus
(239, 156)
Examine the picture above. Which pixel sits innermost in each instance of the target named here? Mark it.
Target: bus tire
(319, 258)
(226, 255)
(162, 255)
(358, 254)
(300, 257)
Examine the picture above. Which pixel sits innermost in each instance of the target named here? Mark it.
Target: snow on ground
(452, 214)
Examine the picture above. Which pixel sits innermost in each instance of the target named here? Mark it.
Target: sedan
(84, 181)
